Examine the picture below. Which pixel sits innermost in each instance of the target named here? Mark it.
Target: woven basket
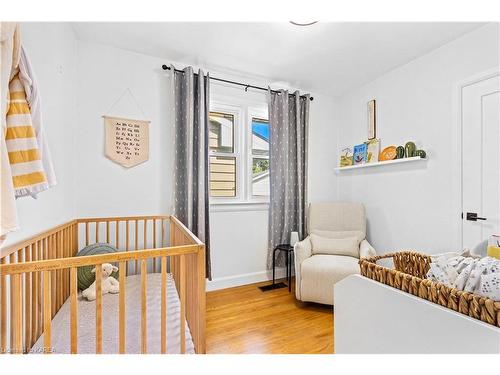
(409, 276)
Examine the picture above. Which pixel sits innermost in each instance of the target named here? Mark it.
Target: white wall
(103, 187)
(51, 48)
(414, 206)
(238, 236)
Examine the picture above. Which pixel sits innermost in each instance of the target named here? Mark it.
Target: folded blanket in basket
(479, 276)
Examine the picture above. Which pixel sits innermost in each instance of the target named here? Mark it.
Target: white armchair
(316, 274)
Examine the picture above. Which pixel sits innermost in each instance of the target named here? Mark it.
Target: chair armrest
(366, 250)
(302, 250)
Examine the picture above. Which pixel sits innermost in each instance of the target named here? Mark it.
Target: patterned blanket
(475, 275)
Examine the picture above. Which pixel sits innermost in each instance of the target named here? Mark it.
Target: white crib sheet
(61, 338)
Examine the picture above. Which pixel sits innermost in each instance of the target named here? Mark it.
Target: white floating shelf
(380, 163)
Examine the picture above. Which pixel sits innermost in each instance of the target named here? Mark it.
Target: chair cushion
(335, 246)
(319, 273)
(337, 216)
(339, 234)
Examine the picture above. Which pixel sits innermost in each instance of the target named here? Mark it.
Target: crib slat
(127, 242)
(47, 312)
(27, 301)
(97, 232)
(53, 285)
(117, 234)
(107, 232)
(121, 309)
(98, 309)
(144, 323)
(163, 305)
(59, 273)
(74, 309)
(3, 311)
(182, 296)
(34, 295)
(154, 243)
(86, 234)
(12, 260)
(145, 234)
(17, 326)
(136, 245)
(162, 233)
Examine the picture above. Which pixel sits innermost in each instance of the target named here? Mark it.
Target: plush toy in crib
(108, 285)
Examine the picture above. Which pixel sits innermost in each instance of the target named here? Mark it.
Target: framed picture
(359, 154)
(372, 150)
(372, 119)
(346, 157)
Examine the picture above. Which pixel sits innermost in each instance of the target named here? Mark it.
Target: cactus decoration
(410, 149)
(420, 153)
(400, 152)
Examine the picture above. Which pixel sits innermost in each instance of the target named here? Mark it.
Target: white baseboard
(244, 279)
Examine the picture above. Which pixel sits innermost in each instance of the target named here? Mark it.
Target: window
(260, 157)
(223, 164)
(239, 153)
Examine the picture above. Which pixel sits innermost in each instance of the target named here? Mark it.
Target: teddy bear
(108, 284)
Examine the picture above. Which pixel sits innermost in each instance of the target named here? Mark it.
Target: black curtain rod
(246, 86)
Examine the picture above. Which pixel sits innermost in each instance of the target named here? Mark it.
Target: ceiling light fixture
(303, 23)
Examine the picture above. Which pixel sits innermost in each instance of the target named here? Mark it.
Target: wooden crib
(39, 274)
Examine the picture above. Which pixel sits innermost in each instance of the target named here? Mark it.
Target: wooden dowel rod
(121, 309)
(107, 232)
(96, 232)
(74, 309)
(98, 309)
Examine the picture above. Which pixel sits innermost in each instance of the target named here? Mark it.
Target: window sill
(238, 206)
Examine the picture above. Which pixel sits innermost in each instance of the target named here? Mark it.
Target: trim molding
(244, 279)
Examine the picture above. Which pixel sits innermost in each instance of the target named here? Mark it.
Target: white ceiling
(329, 58)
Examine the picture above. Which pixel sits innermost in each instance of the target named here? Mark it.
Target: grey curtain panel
(288, 129)
(190, 93)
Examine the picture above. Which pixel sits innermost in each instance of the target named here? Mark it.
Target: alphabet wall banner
(127, 141)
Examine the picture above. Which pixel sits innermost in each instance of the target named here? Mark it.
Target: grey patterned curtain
(190, 94)
(288, 128)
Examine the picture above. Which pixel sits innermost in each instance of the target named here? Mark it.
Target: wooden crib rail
(37, 285)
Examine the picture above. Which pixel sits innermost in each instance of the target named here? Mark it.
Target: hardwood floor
(246, 320)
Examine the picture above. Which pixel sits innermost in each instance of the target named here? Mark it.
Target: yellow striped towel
(24, 157)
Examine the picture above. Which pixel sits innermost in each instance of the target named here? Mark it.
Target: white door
(480, 160)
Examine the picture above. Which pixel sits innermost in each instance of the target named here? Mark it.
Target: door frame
(457, 149)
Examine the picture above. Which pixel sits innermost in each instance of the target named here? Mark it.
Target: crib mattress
(61, 338)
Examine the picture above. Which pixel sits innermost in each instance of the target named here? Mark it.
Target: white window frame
(261, 113)
(238, 115)
(242, 136)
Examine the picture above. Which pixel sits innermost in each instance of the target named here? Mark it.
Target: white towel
(28, 79)
(8, 220)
